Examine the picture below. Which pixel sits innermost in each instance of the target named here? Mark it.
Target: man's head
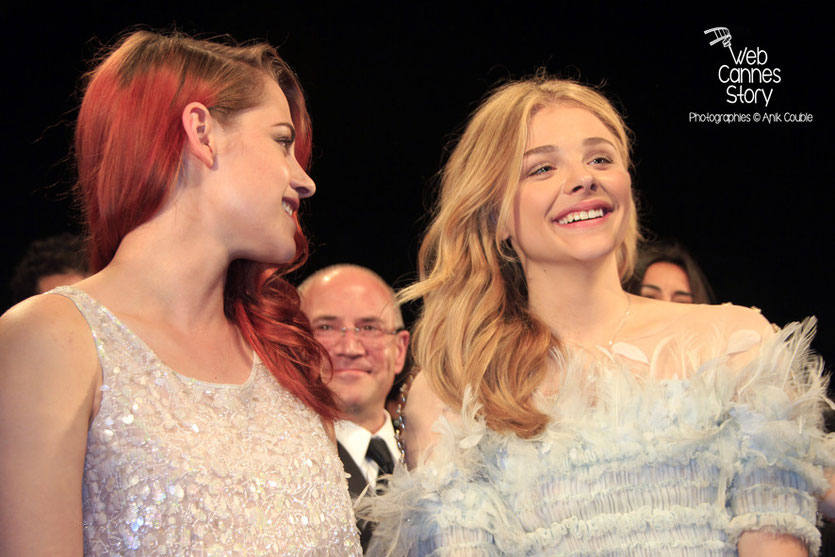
(354, 315)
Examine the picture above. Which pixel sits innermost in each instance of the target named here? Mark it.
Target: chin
(596, 250)
(284, 254)
(349, 405)
(347, 397)
(275, 257)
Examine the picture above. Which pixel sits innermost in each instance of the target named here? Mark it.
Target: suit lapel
(356, 483)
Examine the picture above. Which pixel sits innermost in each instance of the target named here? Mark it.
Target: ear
(200, 137)
(504, 231)
(502, 228)
(402, 349)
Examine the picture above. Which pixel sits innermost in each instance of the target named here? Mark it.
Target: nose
(581, 182)
(349, 344)
(300, 181)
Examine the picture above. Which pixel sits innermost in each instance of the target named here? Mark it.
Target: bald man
(354, 315)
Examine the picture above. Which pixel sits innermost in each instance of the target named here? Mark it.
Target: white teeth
(287, 208)
(581, 215)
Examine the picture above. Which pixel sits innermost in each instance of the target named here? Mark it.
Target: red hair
(128, 145)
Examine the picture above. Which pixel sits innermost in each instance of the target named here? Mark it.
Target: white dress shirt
(355, 439)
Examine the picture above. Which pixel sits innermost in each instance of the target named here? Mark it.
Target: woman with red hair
(193, 420)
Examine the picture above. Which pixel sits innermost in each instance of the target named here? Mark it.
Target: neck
(164, 270)
(580, 303)
(372, 420)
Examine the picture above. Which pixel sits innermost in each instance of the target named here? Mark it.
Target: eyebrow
(658, 289)
(358, 320)
(590, 141)
(287, 125)
(325, 318)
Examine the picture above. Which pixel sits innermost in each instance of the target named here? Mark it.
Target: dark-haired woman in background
(667, 271)
(194, 419)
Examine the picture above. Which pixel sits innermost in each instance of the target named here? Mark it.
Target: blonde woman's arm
(766, 544)
(779, 395)
(422, 410)
(419, 516)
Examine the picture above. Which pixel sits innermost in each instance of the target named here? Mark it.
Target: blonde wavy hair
(475, 329)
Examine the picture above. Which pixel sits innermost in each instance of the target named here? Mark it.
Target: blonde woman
(556, 414)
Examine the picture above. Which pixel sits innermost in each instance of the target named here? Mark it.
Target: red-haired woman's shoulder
(41, 324)
(46, 347)
(48, 387)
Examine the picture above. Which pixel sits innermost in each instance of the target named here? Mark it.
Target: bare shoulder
(423, 407)
(422, 401)
(39, 311)
(743, 328)
(738, 317)
(699, 319)
(42, 328)
(700, 332)
(48, 386)
(739, 331)
(46, 352)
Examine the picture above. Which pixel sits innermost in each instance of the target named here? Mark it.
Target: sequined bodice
(179, 466)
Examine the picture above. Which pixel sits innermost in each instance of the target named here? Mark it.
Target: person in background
(55, 261)
(172, 403)
(354, 315)
(666, 271)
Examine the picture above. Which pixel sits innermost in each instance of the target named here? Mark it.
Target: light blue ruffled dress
(630, 464)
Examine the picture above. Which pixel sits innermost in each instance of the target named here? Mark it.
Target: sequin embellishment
(179, 466)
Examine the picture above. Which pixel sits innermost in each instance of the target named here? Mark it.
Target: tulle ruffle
(679, 465)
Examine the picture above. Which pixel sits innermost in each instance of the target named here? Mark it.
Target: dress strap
(85, 303)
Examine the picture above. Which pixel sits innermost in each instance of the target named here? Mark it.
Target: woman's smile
(574, 194)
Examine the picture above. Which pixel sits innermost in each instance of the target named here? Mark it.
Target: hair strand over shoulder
(129, 143)
(475, 330)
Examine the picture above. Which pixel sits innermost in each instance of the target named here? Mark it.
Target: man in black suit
(354, 315)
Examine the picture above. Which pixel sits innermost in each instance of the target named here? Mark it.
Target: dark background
(389, 88)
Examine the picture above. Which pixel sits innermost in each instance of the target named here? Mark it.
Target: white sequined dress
(177, 466)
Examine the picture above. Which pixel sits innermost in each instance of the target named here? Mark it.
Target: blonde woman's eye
(602, 159)
(539, 170)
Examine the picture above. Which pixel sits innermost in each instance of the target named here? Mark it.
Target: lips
(290, 206)
(585, 211)
(581, 215)
(352, 370)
